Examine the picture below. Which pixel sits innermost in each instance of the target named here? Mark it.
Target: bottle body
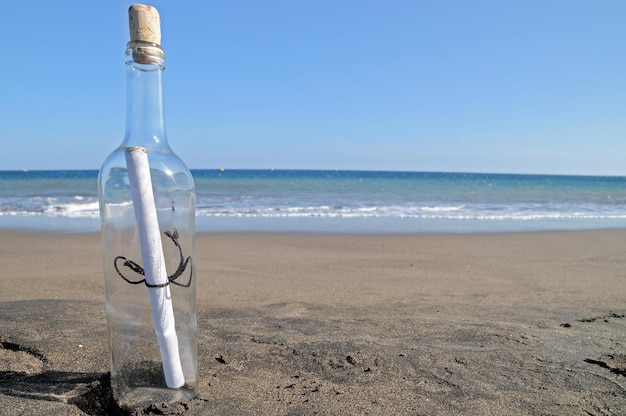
(136, 370)
(139, 365)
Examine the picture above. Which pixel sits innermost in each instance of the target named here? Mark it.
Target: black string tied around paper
(170, 279)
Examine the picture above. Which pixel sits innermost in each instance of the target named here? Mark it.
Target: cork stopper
(145, 24)
(145, 34)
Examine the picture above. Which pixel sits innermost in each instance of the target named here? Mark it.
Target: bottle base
(144, 385)
(144, 397)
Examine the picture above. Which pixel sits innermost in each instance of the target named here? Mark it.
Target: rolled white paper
(154, 264)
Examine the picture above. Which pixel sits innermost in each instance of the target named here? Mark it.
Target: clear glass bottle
(137, 374)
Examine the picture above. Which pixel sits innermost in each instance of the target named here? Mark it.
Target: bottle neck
(145, 120)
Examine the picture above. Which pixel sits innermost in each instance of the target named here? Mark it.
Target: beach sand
(303, 324)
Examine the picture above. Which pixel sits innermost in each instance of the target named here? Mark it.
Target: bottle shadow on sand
(27, 379)
(90, 392)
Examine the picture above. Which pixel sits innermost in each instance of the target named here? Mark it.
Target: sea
(330, 201)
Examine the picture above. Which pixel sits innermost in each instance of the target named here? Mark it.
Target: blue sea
(337, 201)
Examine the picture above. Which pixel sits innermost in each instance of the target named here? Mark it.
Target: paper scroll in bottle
(154, 264)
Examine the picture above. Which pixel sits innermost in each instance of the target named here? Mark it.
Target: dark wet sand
(302, 324)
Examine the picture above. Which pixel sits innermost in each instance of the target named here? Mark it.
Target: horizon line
(271, 169)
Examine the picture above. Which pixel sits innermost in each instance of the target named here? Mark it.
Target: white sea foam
(75, 207)
(443, 208)
(461, 213)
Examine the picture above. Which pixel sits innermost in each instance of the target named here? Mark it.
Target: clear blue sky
(528, 86)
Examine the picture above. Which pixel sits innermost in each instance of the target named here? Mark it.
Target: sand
(303, 324)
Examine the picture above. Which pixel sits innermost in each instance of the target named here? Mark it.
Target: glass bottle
(138, 376)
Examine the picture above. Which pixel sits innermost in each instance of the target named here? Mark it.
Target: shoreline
(328, 225)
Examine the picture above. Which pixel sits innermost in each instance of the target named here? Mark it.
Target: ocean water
(338, 201)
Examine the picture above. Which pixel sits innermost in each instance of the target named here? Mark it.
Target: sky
(532, 86)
